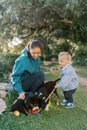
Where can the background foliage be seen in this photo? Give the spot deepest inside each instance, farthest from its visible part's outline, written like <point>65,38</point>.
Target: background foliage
<point>59,25</point>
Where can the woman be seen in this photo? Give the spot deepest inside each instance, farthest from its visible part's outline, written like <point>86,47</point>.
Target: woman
<point>26,75</point>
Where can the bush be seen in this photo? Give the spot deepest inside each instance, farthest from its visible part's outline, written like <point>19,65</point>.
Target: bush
<point>6,64</point>
<point>8,61</point>
<point>80,57</point>
<point>79,30</point>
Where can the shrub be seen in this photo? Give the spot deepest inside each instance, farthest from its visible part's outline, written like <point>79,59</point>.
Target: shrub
<point>6,64</point>
<point>80,57</point>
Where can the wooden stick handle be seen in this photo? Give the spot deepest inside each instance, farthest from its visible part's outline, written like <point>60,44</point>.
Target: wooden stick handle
<point>50,95</point>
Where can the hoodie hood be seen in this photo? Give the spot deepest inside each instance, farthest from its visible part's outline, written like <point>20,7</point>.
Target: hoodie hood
<point>24,51</point>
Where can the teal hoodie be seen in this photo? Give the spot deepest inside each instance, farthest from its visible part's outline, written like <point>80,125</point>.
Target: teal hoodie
<point>24,67</point>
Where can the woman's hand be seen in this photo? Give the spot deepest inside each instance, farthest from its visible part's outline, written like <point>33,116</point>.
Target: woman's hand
<point>22,95</point>
<point>45,81</point>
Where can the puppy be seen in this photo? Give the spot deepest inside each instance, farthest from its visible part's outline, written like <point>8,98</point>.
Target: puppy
<point>20,106</point>
<point>25,106</point>
<point>44,92</point>
<point>38,99</point>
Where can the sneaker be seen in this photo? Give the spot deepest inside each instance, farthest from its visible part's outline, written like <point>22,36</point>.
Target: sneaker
<point>64,102</point>
<point>70,105</point>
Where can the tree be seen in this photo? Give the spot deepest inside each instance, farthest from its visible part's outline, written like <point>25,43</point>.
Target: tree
<point>43,19</point>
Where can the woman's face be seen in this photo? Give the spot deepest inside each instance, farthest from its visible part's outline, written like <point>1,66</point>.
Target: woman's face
<point>35,53</point>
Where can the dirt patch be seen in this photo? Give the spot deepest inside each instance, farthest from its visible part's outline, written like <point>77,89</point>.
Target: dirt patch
<point>82,81</point>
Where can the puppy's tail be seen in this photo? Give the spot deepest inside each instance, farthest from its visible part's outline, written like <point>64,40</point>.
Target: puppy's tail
<point>57,80</point>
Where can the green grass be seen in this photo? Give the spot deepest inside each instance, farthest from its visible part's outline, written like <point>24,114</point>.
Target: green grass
<point>58,117</point>
<point>82,71</point>
<point>44,69</point>
<point>52,76</point>
<point>53,64</point>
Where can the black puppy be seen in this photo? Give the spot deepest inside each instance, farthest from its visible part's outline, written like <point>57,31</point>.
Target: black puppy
<point>35,100</point>
<point>25,106</point>
<point>20,106</point>
<point>42,95</point>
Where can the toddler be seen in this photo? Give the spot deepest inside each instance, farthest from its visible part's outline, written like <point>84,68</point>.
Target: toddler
<point>69,79</point>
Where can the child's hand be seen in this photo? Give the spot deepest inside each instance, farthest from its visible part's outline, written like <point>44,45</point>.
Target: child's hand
<point>55,87</point>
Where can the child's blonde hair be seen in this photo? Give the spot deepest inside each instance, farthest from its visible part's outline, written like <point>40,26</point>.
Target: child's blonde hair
<point>65,55</point>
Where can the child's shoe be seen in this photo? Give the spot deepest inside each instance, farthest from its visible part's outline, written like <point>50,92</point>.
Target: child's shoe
<point>70,105</point>
<point>64,102</point>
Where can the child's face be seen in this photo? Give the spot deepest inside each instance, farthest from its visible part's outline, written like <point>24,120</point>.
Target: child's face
<point>63,61</point>
<point>35,53</point>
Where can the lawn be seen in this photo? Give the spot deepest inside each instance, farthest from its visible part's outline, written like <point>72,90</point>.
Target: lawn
<point>58,117</point>
<point>82,71</point>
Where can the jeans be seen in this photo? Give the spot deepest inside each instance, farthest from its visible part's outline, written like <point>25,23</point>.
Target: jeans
<point>33,82</point>
<point>68,95</point>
